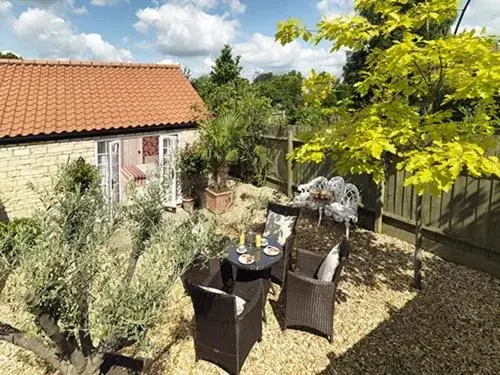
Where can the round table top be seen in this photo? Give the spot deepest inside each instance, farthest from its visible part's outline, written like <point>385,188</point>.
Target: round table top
<point>262,261</point>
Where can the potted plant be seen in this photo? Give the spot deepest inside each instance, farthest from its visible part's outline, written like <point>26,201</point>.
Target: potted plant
<point>192,168</point>
<point>218,143</point>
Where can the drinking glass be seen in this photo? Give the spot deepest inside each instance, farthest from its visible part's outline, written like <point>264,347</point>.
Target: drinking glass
<point>250,239</point>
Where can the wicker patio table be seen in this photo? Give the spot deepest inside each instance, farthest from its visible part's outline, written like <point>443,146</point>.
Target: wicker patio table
<point>257,272</point>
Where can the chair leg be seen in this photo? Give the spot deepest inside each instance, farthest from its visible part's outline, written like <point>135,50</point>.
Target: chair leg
<point>320,216</point>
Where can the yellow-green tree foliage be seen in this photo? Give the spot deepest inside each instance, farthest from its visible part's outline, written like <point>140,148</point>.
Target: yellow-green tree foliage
<point>435,102</point>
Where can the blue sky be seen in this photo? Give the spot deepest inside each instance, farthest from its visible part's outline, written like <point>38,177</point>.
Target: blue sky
<point>189,32</point>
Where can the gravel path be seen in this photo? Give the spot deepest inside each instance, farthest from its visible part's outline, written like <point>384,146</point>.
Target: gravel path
<point>381,327</point>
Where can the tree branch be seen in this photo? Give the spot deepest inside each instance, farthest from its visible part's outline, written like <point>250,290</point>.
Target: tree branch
<point>51,329</point>
<point>440,83</point>
<point>33,344</point>
<point>421,73</point>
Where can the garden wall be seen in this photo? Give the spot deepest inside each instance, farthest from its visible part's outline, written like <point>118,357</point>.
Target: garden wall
<point>37,163</point>
<point>461,226</point>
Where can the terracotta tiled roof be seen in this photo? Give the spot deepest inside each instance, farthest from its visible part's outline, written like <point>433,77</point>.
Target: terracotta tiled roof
<point>48,97</point>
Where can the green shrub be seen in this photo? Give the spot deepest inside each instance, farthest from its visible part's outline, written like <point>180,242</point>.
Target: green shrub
<point>192,168</point>
<point>16,235</point>
<point>78,176</point>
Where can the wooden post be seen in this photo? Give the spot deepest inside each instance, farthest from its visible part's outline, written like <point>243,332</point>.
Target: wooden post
<point>289,163</point>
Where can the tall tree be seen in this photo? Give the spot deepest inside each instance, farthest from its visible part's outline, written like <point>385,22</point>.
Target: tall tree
<point>227,68</point>
<point>224,90</point>
<point>356,59</point>
<point>284,91</point>
<point>9,55</point>
<point>415,118</point>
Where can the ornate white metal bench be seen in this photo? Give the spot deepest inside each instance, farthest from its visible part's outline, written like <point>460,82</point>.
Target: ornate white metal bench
<point>303,198</point>
<point>346,210</point>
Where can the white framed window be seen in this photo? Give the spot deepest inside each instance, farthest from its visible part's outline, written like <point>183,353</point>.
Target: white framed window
<point>169,148</point>
<point>108,162</point>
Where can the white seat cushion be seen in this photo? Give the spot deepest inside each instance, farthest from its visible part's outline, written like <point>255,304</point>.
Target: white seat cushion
<point>279,227</point>
<point>240,302</point>
<point>329,265</point>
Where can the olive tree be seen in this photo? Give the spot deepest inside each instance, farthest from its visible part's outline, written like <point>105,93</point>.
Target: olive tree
<point>80,296</point>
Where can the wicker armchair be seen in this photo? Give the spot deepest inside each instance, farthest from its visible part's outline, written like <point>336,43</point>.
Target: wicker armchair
<point>310,302</point>
<point>202,271</point>
<point>278,272</point>
<point>204,274</point>
<point>223,337</point>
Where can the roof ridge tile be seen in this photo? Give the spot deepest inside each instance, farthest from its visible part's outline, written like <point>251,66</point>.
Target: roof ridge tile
<point>88,63</point>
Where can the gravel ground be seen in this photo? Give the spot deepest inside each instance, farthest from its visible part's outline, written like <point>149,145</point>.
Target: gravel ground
<point>452,326</point>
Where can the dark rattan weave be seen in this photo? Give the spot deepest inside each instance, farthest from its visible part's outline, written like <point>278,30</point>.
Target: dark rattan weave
<point>222,337</point>
<point>310,302</point>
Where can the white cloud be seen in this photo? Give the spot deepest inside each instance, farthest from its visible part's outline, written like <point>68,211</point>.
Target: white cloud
<point>197,66</point>
<point>186,30</point>
<point>202,4</point>
<point>330,8</point>
<point>236,6</point>
<point>103,3</point>
<point>81,10</point>
<point>53,37</point>
<point>262,53</point>
<point>144,44</point>
<point>5,7</point>
<point>479,14</point>
<point>61,6</point>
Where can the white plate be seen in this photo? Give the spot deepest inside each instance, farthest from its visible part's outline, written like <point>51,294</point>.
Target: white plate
<point>271,251</point>
<point>246,259</point>
<point>241,249</point>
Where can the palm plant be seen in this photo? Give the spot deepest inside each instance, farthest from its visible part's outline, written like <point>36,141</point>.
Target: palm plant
<point>218,140</point>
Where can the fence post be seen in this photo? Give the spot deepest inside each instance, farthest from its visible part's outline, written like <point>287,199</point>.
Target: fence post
<point>289,162</point>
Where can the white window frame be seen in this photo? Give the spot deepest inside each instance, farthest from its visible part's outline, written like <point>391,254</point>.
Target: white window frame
<point>107,184</point>
<point>177,199</point>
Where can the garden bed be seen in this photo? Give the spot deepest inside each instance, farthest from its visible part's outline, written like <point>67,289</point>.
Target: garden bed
<point>450,327</point>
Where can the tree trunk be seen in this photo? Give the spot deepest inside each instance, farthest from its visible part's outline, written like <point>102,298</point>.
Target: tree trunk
<point>289,163</point>
<point>33,344</point>
<point>379,207</point>
<point>417,256</point>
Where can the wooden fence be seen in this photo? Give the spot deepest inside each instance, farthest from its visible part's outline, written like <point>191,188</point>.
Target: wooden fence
<point>462,225</point>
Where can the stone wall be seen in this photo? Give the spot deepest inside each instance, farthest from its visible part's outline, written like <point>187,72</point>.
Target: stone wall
<point>37,164</point>
<point>34,163</point>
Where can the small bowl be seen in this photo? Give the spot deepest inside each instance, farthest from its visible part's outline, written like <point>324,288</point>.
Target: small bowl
<point>241,249</point>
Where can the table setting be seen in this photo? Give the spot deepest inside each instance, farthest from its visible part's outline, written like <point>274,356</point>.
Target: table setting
<point>254,252</point>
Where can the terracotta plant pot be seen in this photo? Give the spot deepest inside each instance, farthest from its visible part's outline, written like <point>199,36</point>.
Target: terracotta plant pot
<point>188,204</point>
<point>217,202</point>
